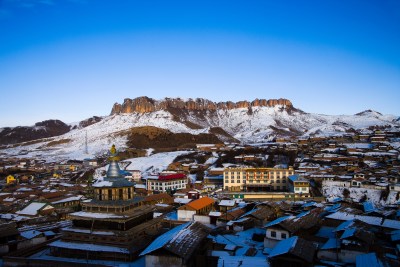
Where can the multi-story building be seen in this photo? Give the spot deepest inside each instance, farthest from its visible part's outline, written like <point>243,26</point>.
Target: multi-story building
<point>256,179</point>
<point>167,181</point>
<point>299,185</point>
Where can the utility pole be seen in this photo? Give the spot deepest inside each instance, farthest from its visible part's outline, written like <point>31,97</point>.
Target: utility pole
<point>86,144</point>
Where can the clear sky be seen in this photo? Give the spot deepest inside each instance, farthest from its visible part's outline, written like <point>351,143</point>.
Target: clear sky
<point>72,59</point>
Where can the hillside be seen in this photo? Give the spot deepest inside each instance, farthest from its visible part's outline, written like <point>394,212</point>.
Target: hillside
<point>191,121</point>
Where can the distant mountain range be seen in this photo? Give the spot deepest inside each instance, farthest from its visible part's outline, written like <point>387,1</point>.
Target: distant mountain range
<point>256,121</point>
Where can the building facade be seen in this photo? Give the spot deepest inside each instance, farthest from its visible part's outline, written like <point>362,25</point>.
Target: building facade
<point>256,179</point>
<point>167,182</point>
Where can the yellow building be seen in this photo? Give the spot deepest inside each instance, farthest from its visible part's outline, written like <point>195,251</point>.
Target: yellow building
<point>10,179</point>
<point>256,179</point>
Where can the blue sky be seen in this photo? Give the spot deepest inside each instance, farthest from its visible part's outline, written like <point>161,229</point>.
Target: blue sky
<point>72,59</point>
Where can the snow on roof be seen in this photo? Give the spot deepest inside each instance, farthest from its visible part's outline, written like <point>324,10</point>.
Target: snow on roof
<point>227,203</point>
<point>96,215</point>
<point>279,220</point>
<point>32,209</point>
<point>74,198</point>
<point>215,213</point>
<point>88,247</point>
<point>242,261</point>
<point>87,231</point>
<point>181,200</point>
<point>283,246</point>
<point>370,260</point>
<point>343,216</point>
<point>164,239</point>
<point>30,234</point>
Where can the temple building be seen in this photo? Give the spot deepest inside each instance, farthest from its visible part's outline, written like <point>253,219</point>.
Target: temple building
<point>114,225</point>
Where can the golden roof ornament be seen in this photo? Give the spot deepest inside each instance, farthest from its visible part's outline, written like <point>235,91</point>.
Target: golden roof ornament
<point>113,152</point>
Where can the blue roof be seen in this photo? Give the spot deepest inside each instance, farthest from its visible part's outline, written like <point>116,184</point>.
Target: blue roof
<point>279,220</point>
<point>369,260</point>
<point>395,237</point>
<point>332,243</point>
<point>164,239</point>
<point>326,232</point>
<point>348,233</point>
<point>333,208</point>
<point>308,204</point>
<point>283,246</point>
<point>338,199</point>
<point>294,177</point>
<point>368,207</point>
<point>344,225</point>
<point>302,214</point>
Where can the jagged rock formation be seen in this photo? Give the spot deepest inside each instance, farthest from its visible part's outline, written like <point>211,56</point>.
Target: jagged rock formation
<point>90,121</point>
<point>44,129</point>
<point>145,104</point>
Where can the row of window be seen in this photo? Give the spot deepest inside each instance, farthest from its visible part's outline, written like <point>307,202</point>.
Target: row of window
<point>274,234</point>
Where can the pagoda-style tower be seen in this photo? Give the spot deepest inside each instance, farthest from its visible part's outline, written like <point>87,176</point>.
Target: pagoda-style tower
<point>111,226</point>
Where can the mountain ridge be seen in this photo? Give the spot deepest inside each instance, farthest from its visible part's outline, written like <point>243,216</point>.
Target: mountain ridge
<point>246,123</point>
<point>145,104</point>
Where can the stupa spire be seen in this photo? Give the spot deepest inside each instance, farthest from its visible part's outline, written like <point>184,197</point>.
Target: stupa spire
<point>113,169</point>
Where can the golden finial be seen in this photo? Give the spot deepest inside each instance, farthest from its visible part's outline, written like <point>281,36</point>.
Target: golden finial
<point>113,150</point>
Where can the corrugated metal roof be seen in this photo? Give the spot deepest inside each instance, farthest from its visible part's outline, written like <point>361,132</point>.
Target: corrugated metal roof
<point>279,220</point>
<point>284,246</point>
<point>163,239</point>
<point>181,241</point>
<point>370,260</point>
<point>200,203</point>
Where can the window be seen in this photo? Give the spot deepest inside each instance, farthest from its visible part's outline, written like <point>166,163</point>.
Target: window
<point>120,193</point>
<point>109,194</point>
<point>100,195</point>
<point>283,236</point>
<point>273,234</point>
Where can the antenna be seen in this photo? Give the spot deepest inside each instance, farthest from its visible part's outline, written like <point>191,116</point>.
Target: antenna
<point>86,145</point>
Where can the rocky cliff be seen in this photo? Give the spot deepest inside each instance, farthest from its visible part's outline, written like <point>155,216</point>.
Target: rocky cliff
<point>145,104</point>
<point>44,129</point>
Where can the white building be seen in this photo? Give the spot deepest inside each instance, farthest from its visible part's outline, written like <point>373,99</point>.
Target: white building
<point>165,182</point>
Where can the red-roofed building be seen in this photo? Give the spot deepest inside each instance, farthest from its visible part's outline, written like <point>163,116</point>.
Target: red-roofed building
<point>167,182</point>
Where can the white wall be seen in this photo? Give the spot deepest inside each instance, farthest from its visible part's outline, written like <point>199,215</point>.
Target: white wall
<point>186,215</point>
<point>202,219</point>
<point>336,183</point>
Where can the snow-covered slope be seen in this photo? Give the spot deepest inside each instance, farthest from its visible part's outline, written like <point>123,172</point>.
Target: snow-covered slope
<point>253,124</point>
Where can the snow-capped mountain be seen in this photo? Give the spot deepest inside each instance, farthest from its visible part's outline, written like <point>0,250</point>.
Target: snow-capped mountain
<point>256,121</point>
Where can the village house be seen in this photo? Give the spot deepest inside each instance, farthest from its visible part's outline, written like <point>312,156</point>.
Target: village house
<point>201,206</point>
<point>180,247</point>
